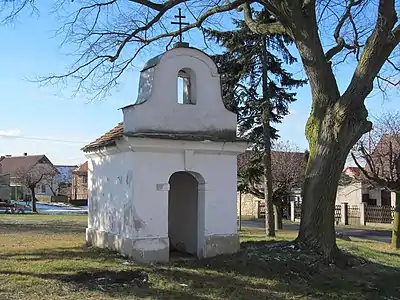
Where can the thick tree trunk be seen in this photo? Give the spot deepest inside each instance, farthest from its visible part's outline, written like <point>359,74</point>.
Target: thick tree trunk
<point>396,223</point>
<point>331,137</point>
<point>33,200</point>
<point>317,228</point>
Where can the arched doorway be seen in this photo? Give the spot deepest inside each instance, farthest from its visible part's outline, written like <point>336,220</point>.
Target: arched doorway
<point>183,213</point>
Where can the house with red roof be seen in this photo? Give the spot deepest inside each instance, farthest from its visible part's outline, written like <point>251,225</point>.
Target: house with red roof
<point>358,189</point>
<point>11,168</point>
<point>79,189</point>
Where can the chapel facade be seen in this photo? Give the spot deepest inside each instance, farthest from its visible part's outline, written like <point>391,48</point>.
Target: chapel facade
<point>165,178</point>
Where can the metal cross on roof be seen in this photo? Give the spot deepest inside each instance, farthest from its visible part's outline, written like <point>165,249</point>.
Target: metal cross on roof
<point>180,17</point>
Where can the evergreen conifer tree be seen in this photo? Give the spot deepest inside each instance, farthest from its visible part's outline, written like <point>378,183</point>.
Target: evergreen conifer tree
<point>256,86</point>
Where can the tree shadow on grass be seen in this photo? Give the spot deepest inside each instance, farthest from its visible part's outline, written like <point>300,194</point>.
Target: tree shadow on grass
<point>182,284</point>
<point>61,253</point>
<point>42,228</point>
<point>261,270</point>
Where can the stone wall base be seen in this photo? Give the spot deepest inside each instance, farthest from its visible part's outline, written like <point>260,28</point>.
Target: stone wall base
<point>221,244</point>
<point>140,250</point>
<point>150,250</point>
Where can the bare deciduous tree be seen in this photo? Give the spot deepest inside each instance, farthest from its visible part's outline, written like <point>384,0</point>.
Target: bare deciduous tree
<point>32,177</point>
<point>110,35</point>
<point>288,167</point>
<point>57,182</point>
<point>380,150</point>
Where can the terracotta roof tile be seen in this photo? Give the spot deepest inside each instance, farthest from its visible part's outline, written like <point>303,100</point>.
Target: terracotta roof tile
<point>107,139</point>
<point>83,168</point>
<point>355,171</point>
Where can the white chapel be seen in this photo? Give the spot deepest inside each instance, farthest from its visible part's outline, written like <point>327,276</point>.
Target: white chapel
<point>165,178</point>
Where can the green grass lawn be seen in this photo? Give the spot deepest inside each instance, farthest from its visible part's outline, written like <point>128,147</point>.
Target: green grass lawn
<point>43,257</point>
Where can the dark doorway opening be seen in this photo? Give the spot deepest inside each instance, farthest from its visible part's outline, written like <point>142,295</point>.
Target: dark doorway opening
<point>183,215</point>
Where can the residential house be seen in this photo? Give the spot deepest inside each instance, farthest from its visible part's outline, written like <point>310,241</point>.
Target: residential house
<point>359,189</point>
<point>287,166</point>
<point>79,182</point>
<point>13,166</point>
<point>4,184</point>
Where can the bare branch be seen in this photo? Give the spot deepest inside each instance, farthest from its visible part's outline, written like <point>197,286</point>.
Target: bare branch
<point>382,153</point>
<point>341,43</point>
<point>17,6</point>
<point>109,33</point>
<point>261,27</point>
<point>168,5</point>
<point>390,82</point>
<point>288,169</point>
<point>377,50</point>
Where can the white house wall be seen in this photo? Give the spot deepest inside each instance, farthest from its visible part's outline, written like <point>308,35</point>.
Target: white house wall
<point>376,194</point>
<point>351,194</point>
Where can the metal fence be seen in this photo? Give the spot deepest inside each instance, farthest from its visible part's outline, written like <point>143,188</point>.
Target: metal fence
<point>297,210</point>
<point>358,214</point>
<point>338,214</point>
<point>379,214</point>
<point>261,209</point>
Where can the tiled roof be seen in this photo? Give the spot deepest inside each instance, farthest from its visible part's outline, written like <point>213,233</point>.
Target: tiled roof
<point>107,139</point>
<point>117,132</point>
<point>353,171</point>
<point>83,168</point>
<point>11,165</point>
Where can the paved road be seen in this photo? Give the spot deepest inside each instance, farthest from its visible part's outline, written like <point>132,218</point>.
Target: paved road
<point>368,234</point>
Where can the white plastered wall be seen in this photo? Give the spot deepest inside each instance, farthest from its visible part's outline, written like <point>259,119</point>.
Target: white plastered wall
<point>128,195</point>
<point>161,112</point>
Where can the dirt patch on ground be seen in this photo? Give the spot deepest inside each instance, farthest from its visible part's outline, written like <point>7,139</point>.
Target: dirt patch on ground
<point>105,280</point>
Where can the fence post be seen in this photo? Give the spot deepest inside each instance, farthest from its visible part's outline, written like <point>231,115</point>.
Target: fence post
<point>363,212</point>
<point>292,216</point>
<point>240,210</point>
<point>345,213</point>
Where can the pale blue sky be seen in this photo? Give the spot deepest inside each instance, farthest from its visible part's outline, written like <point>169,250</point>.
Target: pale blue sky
<point>31,111</point>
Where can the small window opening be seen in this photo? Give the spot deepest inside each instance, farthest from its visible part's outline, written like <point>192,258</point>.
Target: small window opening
<point>186,89</point>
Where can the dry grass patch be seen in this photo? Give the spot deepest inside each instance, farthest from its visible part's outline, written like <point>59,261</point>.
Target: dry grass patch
<point>44,257</point>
